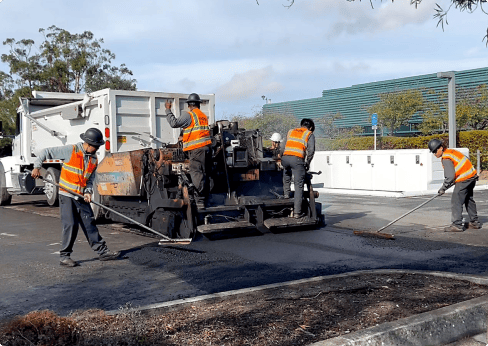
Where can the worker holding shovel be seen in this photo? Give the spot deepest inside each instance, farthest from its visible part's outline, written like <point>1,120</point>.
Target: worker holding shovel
<point>458,171</point>
<point>77,175</point>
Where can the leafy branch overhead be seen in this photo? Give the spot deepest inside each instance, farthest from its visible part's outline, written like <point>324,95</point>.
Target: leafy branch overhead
<point>291,2</point>
<point>440,13</point>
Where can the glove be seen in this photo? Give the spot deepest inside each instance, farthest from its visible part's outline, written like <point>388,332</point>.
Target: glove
<point>441,191</point>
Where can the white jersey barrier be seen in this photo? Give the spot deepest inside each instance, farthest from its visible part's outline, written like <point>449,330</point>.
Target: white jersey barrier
<point>405,171</point>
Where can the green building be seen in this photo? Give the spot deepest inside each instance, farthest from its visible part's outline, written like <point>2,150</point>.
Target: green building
<point>352,102</point>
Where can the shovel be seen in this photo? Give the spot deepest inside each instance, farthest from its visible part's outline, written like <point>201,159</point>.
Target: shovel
<point>165,240</point>
<point>378,233</point>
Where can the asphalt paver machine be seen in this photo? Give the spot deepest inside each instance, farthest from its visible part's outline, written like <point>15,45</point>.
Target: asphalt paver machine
<point>154,187</point>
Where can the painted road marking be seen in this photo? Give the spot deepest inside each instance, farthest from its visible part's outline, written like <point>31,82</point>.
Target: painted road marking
<point>9,235</point>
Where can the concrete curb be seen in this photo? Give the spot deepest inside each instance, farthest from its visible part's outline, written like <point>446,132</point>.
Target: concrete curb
<point>436,327</point>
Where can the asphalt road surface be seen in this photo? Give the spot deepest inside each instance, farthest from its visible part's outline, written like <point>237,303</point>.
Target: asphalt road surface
<point>32,279</point>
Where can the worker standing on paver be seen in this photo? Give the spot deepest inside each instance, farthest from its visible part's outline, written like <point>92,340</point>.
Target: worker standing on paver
<point>196,141</point>
<point>296,155</point>
<point>458,171</point>
<point>77,175</point>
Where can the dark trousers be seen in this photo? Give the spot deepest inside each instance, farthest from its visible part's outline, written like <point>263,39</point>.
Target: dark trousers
<point>198,169</point>
<point>295,166</point>
<point>463,195</point>
<point>75,213</point>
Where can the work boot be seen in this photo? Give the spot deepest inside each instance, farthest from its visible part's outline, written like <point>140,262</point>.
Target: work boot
<point>301,217</point>
<point>474,225</point>
<point>109,256</point>
<point>454,228</point>
<point>68,262</point>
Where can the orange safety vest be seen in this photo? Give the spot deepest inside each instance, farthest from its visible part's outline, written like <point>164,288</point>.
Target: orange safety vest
<point>296,144</point>
<point>74,174</point>
<point>463,168</point>
<point>197,135</point>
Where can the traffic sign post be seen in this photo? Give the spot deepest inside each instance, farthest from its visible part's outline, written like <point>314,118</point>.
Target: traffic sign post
<point>374,126</point>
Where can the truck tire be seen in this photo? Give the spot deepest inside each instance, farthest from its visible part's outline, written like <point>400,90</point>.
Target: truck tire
<point>5,197</point>
<point>51,191</point>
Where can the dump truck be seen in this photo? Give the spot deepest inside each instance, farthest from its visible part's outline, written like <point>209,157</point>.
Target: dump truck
<point>129,120</point>
<point>143,172</point>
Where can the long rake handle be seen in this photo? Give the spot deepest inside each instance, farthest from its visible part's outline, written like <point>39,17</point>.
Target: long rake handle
<point>408,212</point>
<point>113,211</point>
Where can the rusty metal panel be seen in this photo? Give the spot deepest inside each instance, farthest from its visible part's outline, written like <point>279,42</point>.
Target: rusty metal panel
<point>250,175</point>
<point>119,174</point>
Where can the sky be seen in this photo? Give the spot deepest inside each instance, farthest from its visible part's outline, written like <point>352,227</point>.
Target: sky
<point>240,50</point>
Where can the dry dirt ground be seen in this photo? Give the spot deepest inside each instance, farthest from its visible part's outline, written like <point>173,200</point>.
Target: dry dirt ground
<point>292,315</point>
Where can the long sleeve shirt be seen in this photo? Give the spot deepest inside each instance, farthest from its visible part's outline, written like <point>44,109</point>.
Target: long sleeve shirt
<point>449,173</point>
<point>310,152</point>
<point>64,153</point>
<point>184,120</point>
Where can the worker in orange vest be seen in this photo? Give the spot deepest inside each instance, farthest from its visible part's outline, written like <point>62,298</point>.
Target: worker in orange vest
<point>77,175</point>
<point>196,142</point>
<point>296,155</point>
<point>458,171</point>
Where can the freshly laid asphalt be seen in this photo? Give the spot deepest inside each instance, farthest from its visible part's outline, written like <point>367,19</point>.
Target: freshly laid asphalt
<point>32,279</point>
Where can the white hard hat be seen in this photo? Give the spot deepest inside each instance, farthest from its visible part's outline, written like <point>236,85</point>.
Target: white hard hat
<point>276,137</point>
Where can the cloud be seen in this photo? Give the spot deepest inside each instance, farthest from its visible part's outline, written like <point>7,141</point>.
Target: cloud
<point>187,84</point>
<point>251,83</point>
<point>240,50</point>
<point>206,75</point>
<point>357,17</point>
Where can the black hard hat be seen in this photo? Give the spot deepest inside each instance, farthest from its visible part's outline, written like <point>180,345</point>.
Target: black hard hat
<point>193,98</point>
<point>93,137</point>
<point>434,144</point>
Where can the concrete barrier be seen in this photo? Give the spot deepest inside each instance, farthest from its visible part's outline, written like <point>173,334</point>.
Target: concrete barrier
<point>400,171</point>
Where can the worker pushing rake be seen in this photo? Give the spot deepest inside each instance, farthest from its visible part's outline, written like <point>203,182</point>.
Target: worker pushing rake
<point>76,180</point>
<point>458,172</point>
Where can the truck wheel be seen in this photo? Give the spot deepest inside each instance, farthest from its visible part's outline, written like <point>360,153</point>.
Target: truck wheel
<point>52,191</point>
<point>5,197</point>
<point>98,212</point>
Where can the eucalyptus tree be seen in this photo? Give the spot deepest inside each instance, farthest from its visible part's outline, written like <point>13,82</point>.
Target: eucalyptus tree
<point>65,62</point>
<point>62,62</point>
